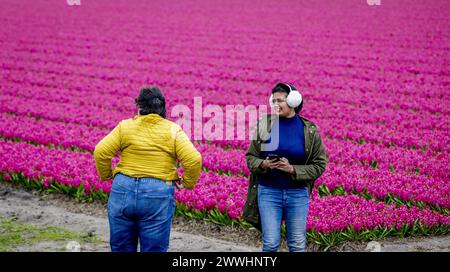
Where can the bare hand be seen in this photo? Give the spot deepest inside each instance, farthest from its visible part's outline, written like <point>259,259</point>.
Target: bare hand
<point>268,164</point>
<point>284,165</point>
<point>179,183</point>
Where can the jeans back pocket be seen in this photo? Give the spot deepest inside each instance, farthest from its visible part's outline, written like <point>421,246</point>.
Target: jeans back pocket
<point>116,203</point>
<point>155,207</point>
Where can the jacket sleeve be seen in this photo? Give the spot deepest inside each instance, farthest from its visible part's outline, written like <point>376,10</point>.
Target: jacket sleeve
<point>105,150</point>
<point>316,166</point>
<point>252,156</point>
<point>253,160</point>
<point>190,158</point>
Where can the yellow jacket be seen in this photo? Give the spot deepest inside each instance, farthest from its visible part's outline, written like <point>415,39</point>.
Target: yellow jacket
<point>150,147</point>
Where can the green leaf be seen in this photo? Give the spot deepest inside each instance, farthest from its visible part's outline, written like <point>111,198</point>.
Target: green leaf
<point>374,164</point>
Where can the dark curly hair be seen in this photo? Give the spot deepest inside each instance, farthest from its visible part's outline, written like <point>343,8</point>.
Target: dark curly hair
<point>151,100</point>
<point>282,87</point>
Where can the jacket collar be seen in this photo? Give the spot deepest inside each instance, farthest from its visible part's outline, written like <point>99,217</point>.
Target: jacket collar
<point>307,123</point>
<point>151,118</point>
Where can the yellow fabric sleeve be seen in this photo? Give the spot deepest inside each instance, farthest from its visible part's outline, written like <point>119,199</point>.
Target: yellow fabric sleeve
<point>105,150</point>
<point>190,158</point>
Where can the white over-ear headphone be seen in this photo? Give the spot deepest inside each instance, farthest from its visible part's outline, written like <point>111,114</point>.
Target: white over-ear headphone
<point>294,98</point>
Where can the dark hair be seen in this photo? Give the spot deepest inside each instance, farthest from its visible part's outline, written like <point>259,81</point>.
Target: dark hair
<point>282,87</point>
<point>151,100</point>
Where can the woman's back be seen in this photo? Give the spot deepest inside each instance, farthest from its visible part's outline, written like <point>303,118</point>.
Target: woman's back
<point>150,146</point>
<point>141,202</point>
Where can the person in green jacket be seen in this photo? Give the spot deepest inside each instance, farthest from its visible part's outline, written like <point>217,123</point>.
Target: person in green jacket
<point>285,156</point>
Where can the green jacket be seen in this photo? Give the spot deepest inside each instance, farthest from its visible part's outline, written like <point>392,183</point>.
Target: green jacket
<point>316,160</point>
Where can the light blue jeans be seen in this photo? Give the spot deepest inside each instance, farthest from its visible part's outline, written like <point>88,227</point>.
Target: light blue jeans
<point>277,204</point>
<point>140,209</point>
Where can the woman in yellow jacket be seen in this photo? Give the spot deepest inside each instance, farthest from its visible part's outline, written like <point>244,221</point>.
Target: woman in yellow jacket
<point>141,203</point>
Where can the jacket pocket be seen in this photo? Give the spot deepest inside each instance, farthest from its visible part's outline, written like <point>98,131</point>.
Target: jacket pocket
<point>251,212</point>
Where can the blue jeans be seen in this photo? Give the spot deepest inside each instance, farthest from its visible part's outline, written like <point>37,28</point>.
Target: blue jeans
<point>140,209</point>
<point>277,204</point>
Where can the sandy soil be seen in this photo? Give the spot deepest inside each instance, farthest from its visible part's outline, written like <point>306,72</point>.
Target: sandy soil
<point>187,235</point>
<point>41,210</point>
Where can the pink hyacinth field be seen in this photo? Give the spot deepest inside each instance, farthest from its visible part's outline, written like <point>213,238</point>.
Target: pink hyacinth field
<point>375,79</point>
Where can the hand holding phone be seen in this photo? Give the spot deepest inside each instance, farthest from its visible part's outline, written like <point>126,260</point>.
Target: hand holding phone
<point>270,162</point>
<point>273,157</point>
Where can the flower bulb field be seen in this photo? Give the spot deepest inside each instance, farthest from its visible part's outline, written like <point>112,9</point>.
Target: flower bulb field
<point>374,78</point>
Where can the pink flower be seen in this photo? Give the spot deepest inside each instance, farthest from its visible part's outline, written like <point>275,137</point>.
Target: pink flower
<point>6,177</point>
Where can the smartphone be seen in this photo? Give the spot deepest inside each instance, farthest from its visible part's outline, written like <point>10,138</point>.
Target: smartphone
<point>273,157</point>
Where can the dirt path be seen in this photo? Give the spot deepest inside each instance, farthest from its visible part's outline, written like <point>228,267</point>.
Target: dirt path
<point>90,218</point>
<point>26,207</point>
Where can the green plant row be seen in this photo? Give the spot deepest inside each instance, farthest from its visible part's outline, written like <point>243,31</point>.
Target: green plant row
<point>389,199</point>
<point>325,241</point>
<point>329,240</point>
<point>78,193</point>
<point>213,215</point>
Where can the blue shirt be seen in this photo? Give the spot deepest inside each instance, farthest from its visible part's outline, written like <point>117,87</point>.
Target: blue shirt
<point>291,146</point>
